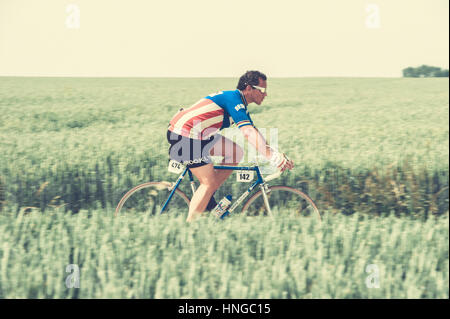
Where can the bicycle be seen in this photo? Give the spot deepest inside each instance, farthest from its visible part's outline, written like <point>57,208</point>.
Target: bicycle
<point>153,196</point>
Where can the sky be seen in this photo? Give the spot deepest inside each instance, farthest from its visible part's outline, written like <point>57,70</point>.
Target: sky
<point>211,38</point>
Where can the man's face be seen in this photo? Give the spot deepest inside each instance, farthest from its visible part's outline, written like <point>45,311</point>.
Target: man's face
<point>257,95</point>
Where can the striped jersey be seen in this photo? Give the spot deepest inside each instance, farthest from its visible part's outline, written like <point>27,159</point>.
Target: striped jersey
<point>211,114</point>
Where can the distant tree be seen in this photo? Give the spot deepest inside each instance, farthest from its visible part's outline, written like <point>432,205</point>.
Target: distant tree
<point>409,73</point>
<point>424,71</point>
<point>442,74</point>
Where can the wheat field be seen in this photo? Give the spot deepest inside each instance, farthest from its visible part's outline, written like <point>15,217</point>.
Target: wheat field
<point>372,153</point>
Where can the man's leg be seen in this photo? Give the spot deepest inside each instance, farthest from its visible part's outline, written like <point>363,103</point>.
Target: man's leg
<point>232,154</point>
<point>208,185</point>
<point>210,179</point>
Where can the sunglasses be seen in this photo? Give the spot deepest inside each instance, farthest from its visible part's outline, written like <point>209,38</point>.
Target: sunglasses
<point>261,89</point>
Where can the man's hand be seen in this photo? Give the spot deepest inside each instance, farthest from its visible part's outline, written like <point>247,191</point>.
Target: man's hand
<point>281,161</point>
<point>254,137</point>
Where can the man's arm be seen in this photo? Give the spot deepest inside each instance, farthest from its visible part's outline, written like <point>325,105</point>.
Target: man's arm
<point>255,138</point>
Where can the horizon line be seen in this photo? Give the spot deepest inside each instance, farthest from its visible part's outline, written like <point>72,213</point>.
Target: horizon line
<point>189,77</point>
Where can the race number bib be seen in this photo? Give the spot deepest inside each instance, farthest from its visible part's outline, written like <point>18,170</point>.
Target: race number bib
<point>175,167</point>
<point>244,176</point>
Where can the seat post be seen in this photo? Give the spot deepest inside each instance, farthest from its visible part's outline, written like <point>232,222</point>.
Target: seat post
<point>192,182</point>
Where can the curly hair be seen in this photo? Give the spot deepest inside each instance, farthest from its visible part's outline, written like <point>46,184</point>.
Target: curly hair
<point>250,78</point>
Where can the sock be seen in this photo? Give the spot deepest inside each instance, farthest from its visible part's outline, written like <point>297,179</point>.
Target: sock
<point>212,203</point>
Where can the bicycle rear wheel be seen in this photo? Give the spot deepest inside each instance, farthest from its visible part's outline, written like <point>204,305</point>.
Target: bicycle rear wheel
<point>149,198</point>
<point>282,200</point>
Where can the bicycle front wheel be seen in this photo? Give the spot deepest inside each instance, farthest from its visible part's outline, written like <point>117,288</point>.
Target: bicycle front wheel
<point>282,200</point>
<point>150,197</point>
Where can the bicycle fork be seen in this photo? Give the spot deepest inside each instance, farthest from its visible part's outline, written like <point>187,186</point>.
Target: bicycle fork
<point>265,190</point>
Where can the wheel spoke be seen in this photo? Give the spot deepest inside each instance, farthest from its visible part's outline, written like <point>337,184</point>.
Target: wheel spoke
<point>282,200</point>
<point>149,198</point>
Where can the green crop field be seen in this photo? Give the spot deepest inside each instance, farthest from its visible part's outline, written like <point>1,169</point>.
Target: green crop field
<point>370,145</point>
<point>244,257</point>
<point>372,153</point>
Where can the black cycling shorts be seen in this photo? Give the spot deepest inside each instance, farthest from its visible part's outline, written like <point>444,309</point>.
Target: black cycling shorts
<point>190,152</point>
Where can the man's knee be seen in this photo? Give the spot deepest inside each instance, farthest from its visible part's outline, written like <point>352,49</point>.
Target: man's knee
<point>210,182</point>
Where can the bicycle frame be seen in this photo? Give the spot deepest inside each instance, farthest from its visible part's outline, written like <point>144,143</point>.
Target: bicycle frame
<point>259,181</point>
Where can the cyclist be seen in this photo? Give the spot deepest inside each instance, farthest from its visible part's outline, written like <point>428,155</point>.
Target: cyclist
<point>193,137</point>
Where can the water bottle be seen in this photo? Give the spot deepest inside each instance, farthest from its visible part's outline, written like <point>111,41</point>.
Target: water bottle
<point>222,207</point>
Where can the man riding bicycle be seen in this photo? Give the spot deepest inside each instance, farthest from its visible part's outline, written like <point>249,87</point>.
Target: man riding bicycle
<point>193,137</point>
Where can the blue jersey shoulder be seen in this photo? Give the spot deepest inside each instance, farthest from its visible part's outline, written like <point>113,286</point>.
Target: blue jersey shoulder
<point>232,103</point>
<point>225,98</point>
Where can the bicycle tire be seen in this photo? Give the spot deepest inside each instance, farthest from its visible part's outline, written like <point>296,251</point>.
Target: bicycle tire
<point>149,198</point>
<point>282,199</point>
